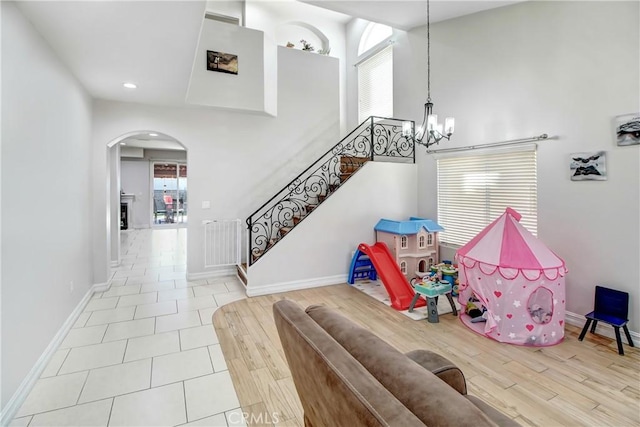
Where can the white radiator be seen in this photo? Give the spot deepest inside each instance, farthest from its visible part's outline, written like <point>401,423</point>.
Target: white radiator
<point>222,244</point>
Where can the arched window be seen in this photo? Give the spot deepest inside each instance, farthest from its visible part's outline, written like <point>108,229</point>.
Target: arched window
<point>403,242</point>
<point>430,262</point>
<point>430,239</point>
<point>375,73</point>
<point>421,241</point>
<point>372,35</point>
<point>403,267</point>
<point>422,266</point>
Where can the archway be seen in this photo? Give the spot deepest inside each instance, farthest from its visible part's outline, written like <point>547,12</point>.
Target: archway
<point>144,147</point>
<point>292,31</point>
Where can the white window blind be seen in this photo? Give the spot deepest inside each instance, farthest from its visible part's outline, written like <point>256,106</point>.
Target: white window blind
<point>375,85</point>
<point>474,190</point>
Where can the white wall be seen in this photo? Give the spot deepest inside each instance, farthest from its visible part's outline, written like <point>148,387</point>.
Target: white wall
<point>236,161</point>
<point>46,236</point>
<point>276,18</point>
<point>135,179</point>
<point>564,68</point>
<point>318,251</point>
<point>244,91</point>
<point>231,8</point>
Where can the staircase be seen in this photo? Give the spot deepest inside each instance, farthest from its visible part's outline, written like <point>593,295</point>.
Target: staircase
<point>375,139</point>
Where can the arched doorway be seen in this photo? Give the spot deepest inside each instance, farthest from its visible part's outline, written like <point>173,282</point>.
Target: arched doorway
<point>132,201</point>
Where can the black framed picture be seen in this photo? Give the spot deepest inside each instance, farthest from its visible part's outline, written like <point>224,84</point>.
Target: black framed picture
<point>222,62</point>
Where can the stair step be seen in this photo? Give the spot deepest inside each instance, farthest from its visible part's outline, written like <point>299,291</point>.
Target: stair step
<point>310,208</point>
<point>256,255</point>
<point>352,164</point>
<point>242,273</point>
<point>322,198</point>
<point>345,176</point>
<point>297,219</point>
<point>285,230</point>
<point>354,159</point>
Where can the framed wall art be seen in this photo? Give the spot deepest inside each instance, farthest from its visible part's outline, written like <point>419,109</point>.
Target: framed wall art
<point>628,129</point>
<point>588,166</point>
<point>222,62</point>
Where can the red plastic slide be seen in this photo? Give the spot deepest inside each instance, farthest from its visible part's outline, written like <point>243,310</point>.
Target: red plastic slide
<point>400,291</point>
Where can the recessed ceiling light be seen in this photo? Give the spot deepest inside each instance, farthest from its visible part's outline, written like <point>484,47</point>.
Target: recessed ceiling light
<point>123,143</point>
<point>153,134</point>
<point>130,85</point>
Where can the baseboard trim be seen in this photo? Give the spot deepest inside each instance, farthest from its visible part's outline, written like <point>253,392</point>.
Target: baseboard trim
<point>101,287</point>
<point>221,272</point>
<point>295,285</point>
<point>604,330</point>
<point>13,405</point>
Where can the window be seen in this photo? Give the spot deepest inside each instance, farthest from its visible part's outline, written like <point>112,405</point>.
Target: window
<point>422,266</point>
<point>403,267</point>
<point>375,85</point>
<point>403,242</point>
<point>430,239</point>
<point>430,262</point>
<point>373,35</point>
<point>421,241</point>
<point>473,190</point>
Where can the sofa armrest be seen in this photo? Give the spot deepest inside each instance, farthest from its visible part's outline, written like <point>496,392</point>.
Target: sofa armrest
<point>440,366</point>
<point>493,414</point>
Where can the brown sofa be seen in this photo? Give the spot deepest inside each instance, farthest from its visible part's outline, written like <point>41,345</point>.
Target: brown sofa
<point>347,376</point>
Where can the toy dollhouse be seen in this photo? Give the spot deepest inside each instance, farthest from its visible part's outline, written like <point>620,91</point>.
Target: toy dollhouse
<point>413,243</point>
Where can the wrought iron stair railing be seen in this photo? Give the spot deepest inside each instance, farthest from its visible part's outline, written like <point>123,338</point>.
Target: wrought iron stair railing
<point>376,138</point>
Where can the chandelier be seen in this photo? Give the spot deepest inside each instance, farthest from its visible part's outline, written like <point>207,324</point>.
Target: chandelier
<point>431,132</point>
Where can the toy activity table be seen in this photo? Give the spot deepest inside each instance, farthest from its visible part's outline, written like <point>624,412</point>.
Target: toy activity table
<point>430,291</point>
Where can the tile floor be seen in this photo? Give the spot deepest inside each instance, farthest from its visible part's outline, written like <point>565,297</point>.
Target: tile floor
<point>143,353</point>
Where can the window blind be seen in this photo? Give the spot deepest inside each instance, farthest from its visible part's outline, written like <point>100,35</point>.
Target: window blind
<point>473,190</point>
<point>375,85</point>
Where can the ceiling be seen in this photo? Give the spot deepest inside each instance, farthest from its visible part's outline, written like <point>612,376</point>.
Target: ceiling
<point>155,142</point>
<point>152,43</point>
<point>107,43</point>
<point>406,15</point>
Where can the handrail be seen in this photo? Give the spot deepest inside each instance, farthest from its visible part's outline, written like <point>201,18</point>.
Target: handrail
<point>308,189</point>
<point>303,172</point>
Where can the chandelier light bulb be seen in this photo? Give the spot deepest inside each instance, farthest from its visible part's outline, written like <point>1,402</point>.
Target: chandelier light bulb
<point>449,125</point>
<point>406,128</point>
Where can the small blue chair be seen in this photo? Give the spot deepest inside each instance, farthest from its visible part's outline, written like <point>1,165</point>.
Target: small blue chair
<point>611,307</point>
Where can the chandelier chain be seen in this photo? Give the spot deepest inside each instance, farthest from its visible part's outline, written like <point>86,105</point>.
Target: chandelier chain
<point>428,56</point>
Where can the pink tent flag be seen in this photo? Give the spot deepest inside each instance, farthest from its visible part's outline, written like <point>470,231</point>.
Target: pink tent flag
<point>517,280</point>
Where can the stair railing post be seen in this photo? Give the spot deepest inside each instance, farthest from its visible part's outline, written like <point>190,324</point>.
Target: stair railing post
<point>371,138</point>
<point>413,139</point>
<point>249,257</point>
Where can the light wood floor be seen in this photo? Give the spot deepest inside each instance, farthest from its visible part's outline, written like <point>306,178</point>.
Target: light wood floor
<point>571,384</point>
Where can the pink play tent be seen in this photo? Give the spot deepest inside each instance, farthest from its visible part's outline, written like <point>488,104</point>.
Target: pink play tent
<point>518,280</point>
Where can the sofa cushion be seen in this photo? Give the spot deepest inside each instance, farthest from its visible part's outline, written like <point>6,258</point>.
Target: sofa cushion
<point>424,394</point>
<point>331,384</point>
